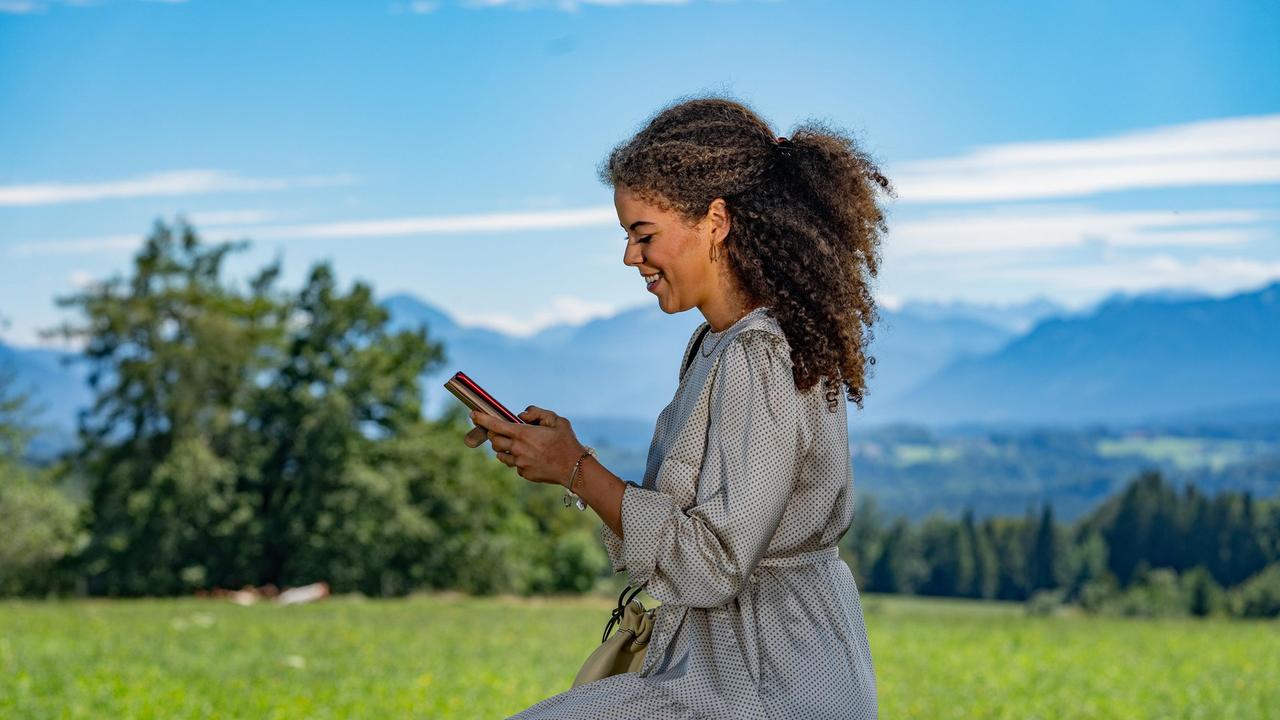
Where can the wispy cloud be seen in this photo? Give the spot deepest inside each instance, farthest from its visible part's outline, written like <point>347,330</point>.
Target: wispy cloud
<point>1231,151</point>
<point>416,7</point>
<point>358,229</point>
<point>20,7</point>
<point>428,6</point>
<point>26,7</point>
<point>562,309</point>
<point>1208,273</point>
<point>440,224</point>
<point>77,246</point>
<point>210,218</point>
<point>181,182</point>
<point>565,5</point>
<point>81,279</point>
<point>1055,227</point>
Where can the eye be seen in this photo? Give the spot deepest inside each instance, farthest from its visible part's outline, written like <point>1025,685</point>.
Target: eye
<point>643,239</point>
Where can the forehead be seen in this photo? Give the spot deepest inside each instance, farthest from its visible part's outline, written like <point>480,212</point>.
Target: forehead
<point>632,208</point>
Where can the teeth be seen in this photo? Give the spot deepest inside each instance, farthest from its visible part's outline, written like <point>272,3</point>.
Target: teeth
<point>648,279</point>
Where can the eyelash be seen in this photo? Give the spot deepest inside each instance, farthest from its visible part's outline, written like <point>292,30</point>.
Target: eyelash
<point>643,239</point>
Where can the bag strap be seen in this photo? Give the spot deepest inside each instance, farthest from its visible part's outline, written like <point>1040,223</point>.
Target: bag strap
<point>697,346</point>
<point>617,612</point>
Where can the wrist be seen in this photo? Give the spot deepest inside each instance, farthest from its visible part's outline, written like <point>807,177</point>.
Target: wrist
<point>573,479</point>
<point>566,478</point>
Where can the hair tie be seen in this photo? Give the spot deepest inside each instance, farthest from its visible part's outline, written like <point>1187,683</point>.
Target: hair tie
<point>784,146</point>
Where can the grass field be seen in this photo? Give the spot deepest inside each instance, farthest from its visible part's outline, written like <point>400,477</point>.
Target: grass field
<point>448,656</point>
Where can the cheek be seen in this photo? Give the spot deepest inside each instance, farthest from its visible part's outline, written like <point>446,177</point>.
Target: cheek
<point>684,261</point>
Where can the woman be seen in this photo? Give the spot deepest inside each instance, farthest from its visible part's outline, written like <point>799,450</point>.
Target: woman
<point>749,483</point>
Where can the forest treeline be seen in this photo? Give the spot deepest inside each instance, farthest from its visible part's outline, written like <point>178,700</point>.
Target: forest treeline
<point>1153,549</point>
<point>242,434</point>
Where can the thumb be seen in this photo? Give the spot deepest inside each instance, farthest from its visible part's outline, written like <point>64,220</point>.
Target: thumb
<point>476,437</point>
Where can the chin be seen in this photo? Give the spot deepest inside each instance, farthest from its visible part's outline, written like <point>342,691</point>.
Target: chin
<point>671,310</point>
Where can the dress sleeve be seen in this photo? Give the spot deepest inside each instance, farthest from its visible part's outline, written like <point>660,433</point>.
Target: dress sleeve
<point>613,544</point>
<point>701,557</point>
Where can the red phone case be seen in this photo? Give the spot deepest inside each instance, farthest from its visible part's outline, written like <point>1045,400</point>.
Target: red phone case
<point>471,384</point>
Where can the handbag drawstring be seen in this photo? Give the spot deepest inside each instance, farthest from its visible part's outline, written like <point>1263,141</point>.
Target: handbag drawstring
<point>618,611</point>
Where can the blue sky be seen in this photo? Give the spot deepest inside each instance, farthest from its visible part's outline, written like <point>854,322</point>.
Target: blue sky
<point>1061,150</point>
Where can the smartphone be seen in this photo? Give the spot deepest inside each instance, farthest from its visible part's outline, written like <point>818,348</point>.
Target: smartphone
<point>475,397</point>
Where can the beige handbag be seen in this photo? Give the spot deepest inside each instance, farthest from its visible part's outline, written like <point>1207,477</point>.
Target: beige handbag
<point>624,652</point>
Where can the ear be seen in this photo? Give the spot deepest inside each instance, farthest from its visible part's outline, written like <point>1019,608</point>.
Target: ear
<point>718,219</point>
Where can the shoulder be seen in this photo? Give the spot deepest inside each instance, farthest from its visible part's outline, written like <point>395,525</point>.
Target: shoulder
<point>761,338</point>
<point>758,355</point>
<point>754,389</point>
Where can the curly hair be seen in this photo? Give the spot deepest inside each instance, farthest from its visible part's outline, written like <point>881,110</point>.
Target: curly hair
<point>805,227</point>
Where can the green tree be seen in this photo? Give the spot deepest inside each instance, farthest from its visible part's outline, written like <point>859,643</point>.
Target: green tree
<point>1043,559</point>
<point>173,355</point>
<point>986,571</point>
<point>949,558</point>
<point>39,525</point>
<point>328,502</point>
<point>1204,596</point>
<point>1086,560</point>
<point>1009,541</point>
<point>865,538</point>
<point>251,435</point>
<point>1260,595</point>
<point>900,567</point>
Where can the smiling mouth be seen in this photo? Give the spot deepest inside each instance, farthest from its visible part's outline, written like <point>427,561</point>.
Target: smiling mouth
<point>651,281</point>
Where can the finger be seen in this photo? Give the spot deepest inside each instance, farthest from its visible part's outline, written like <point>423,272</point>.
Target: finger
<point>476,437</point>
<point>496,424</point>
<point>500,443</point>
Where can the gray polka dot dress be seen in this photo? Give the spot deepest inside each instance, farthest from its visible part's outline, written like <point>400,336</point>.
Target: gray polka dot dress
<point>748,487</point>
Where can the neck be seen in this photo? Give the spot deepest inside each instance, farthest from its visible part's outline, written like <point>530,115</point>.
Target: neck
<point>721,318</point>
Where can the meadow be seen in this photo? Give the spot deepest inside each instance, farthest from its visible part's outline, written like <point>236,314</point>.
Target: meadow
<point>454,656</point>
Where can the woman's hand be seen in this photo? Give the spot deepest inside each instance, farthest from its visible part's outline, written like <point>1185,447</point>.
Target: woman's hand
<point>542,453</point>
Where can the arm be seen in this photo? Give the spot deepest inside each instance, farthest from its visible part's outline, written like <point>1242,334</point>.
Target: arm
<point>602,491</point>
<point>702,557</point>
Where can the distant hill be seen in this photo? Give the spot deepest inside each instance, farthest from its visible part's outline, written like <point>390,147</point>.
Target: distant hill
<point>1015,318</point>
<point>624,366</point>
<point>910,347</point>
<point>1132,358</point>
<point>57,391</point>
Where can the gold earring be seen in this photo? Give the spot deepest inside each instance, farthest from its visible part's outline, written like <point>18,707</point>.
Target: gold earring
<point>715,252</point>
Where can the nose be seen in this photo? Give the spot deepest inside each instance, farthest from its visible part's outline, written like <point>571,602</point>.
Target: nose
<point>631,255</point>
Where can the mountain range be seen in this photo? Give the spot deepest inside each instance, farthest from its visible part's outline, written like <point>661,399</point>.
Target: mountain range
<point>1131,359</point>
<point>1126,359</point>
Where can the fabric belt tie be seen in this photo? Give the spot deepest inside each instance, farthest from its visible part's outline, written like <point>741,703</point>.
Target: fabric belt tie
<point>806,558</point>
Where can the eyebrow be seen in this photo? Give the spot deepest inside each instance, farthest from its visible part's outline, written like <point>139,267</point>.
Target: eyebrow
<point>639,222</point>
